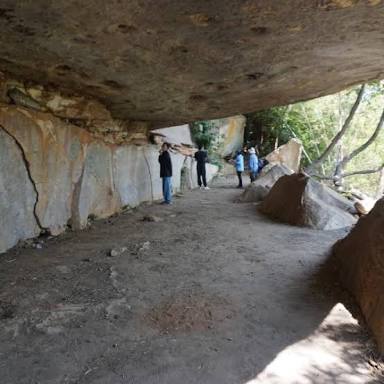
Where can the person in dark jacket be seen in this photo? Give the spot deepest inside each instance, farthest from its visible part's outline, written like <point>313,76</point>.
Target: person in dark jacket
<point>201,158</point>
<point>166,173</point>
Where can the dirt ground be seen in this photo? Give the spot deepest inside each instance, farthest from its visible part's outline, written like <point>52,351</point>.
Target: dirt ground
<point>211,293</point>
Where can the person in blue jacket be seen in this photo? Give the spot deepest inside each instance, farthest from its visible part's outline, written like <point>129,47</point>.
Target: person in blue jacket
<point>239,165</point>
<point>253,164</point>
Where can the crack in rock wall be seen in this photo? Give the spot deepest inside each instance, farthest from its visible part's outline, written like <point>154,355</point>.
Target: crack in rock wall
<point>54,174</point>
<point>17,196</point>
<point>27,168</point>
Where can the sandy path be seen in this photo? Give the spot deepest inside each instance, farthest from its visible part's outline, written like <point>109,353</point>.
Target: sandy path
<point>218,295</point>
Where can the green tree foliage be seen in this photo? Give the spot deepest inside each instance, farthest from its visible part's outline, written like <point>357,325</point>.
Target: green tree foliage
<point>205,133</point>
<point>316,122</point>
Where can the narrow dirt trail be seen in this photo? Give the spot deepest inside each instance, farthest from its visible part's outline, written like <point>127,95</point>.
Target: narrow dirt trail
<point>212,293</point>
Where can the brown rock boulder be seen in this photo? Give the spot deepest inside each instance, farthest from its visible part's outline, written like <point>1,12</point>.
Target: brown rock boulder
<point>299,200</point>
<point>258,190</point>
<point>361,258</point>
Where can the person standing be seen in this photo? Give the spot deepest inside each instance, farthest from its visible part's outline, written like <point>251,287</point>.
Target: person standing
<point>253,164</point>
<point>166,173</point>
<point>201,158</point>
<point>239,165</point>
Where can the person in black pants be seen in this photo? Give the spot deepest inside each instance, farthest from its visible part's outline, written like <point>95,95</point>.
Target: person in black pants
<point>201,158</point>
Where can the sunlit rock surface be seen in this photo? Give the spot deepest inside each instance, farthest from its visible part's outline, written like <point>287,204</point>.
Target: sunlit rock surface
<point>230,134</point>
<point>288,154</point>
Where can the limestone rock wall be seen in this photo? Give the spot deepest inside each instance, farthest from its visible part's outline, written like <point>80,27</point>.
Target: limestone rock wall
<point>54,174</point>
<point>17,196</point>
<point>230,134</point>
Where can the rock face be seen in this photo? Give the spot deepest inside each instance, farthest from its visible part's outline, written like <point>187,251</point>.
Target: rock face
<point>17,196</point>
<point>288,154</point>
<point>259,189</point>
<point>361,258</point>
<point>54,174</point>
<point>302,201</point>
<point>180,139</point>
<point>230,134</point>
<point>163,61</point>
<point>364,206</point>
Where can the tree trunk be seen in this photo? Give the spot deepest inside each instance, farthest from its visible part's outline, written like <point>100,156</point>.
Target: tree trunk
<point>346,159</point>
<point>310,169</point>
<point>380,188</point>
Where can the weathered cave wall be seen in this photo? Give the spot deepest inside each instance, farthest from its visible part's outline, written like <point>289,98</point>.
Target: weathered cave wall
<point>53,173</point>
<point>168,61</point>
<point>17,196</point>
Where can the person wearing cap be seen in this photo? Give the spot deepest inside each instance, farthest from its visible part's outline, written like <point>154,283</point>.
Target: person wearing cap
<point>253,164</point>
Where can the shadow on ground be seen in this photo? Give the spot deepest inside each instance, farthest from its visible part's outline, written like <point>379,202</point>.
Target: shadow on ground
<point>211,293</point>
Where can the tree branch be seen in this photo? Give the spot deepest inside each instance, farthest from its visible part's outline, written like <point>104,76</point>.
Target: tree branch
<point>363,172</point>
<point>321,177</point>
<point>341,176</point>
<point>341,133</point>
<point>362,147</point>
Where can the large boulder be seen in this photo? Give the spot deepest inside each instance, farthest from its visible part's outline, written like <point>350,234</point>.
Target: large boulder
<point>259,189</point>
<point>288,154</point>
<point>299,200</point>
<point>361,259</point>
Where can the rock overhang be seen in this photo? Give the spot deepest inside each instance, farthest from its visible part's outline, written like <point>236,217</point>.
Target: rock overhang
<point>167,63</point>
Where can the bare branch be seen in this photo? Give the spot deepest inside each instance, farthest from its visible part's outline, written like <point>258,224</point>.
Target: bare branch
<point>342,131</point>
<point>362,147</point>
<point>363,172</point>
<point>341,176</point>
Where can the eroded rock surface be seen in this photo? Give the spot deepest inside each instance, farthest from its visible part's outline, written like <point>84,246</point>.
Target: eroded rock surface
<point>288,154</point>
<point>163,61</point>
<point>17,195</point>
<point>54,174</point>
<point>230,134</point>
<point>259,189</point>
<point>361,258</point>
<point>302,201</point>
